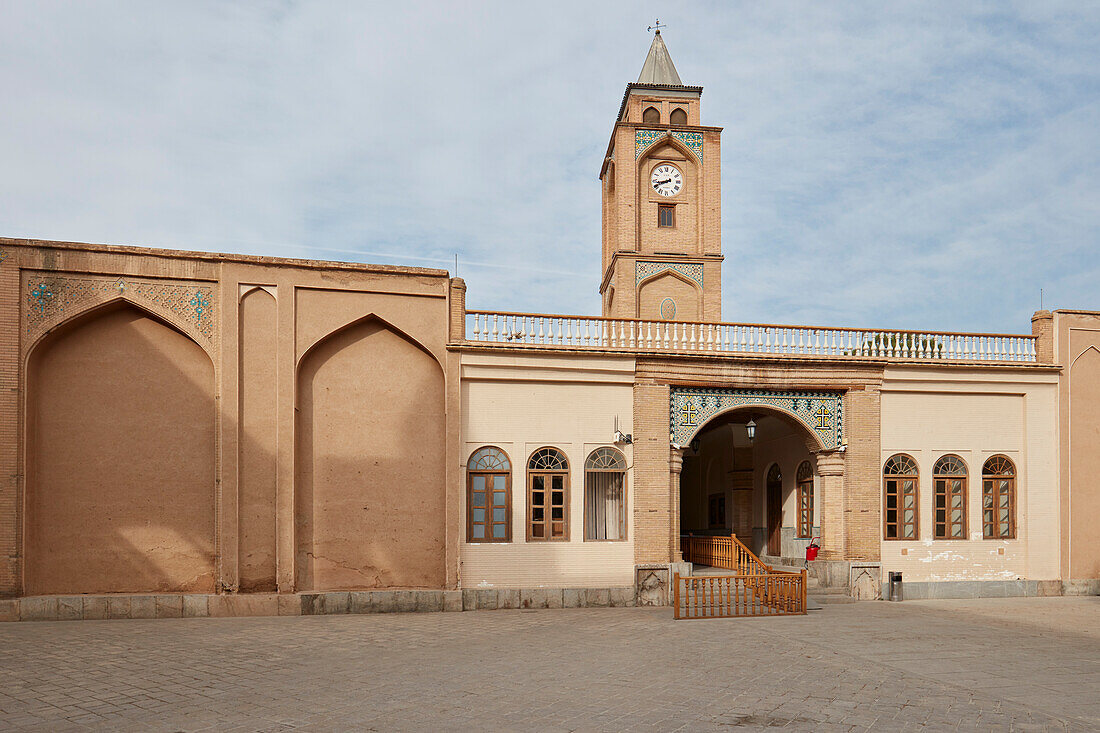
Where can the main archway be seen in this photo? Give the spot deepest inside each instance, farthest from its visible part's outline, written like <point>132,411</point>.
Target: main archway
<point>742,482</point>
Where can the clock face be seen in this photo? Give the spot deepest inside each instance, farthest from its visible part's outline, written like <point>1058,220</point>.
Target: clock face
<point>666,180</point>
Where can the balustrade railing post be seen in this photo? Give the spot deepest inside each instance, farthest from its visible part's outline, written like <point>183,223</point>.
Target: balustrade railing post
<point>803,607</point>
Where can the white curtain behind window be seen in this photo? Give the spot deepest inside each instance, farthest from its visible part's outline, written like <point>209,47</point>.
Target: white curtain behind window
<point>605,512</point>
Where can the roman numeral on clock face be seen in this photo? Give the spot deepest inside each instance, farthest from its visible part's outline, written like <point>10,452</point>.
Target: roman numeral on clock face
<point>667,180</point>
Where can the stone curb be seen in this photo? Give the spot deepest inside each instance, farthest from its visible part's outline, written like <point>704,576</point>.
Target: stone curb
<point>188,605</point>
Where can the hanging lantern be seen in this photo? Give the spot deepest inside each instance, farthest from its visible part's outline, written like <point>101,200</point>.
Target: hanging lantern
<point>750,428</point>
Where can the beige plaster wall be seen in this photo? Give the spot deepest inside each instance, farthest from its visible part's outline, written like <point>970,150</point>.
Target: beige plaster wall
<point>976,414</point>
<point>120,416</point>
<point>522,403</point>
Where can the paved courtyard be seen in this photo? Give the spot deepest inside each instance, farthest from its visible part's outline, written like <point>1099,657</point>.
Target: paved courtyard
<point>1007,664</point>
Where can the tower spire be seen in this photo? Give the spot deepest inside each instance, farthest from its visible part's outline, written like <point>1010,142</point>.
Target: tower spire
<point>658,67</point>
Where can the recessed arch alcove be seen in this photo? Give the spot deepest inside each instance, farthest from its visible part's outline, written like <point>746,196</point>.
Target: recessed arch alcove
<point>731,484</point>
<point>120,457</point>
<point>370,487</point>
<point>669,286</point>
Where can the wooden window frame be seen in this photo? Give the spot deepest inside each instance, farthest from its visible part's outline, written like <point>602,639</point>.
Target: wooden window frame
<point>671,208</point>
<point>942,530</point>
<point>588,469</point>
<point>548,478</point>
<point>716,503</point>
<point>507,475</point>
<point>805,492</point>
<point>896,480</point>
<point>989,486</point>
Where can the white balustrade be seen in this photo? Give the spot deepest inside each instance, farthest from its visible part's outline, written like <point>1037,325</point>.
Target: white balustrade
<point>582,332</point>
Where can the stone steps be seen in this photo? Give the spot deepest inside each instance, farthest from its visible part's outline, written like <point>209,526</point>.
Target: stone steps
<point>830,595</point>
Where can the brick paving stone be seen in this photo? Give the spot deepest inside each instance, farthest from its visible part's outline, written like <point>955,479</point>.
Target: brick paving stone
<point>994,664</point>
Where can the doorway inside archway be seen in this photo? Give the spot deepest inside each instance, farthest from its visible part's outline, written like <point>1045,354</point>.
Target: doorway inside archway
<point>764,490</point>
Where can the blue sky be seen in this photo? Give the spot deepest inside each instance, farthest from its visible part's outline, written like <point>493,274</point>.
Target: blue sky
<point>913,165</point>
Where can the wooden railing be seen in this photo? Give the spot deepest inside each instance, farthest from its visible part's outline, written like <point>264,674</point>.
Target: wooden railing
<point>753,589</point>
<point>731,596</point>
<point>728,553</point>
<point>589,332</point>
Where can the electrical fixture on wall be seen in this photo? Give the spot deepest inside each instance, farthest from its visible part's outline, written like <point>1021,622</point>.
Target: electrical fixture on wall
<point>621,437</point>
<point>750,428</point>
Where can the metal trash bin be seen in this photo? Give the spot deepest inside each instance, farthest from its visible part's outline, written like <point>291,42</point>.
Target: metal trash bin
<point>895,586</point>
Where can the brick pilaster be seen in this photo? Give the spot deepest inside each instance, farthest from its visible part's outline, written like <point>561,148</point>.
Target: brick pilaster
<point>652,518</point>
<point>1042,327</point>
<point>830,467</point>
<point>457,304</point>
<point>11,580</point>
<point>863,475</point>
<point>675,467</point>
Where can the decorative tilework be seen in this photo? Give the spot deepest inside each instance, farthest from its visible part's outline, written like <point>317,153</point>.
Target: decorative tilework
<point>644,138</point>
<point>646,270</point>
<point>52,298</point>
<point>41,297</point>
<point>200,302</point>
<point>668,309</point>
<point>694,141</point>
<point>691,407</point>
<point>3,256</point>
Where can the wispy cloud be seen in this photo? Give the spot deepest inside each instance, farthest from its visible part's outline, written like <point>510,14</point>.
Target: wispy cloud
<point>916,164</point>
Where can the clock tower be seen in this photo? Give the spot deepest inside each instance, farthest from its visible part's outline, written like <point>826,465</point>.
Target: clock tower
<point>662,215</point>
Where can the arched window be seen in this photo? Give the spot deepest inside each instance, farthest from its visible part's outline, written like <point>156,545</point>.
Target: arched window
<point>900,480</point>
<point>679,117</point>
<point>605,495</point>
<point>949,498</point>
<point>651,116</point>
<point>547,496</point>
<point>999,499</point>
<point>805,481</point>
<point>488,496</point>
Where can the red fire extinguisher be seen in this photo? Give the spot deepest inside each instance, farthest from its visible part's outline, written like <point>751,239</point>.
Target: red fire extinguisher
<point>812,548</point>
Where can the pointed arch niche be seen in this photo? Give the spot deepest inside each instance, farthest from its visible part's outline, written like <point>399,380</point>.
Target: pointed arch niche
<point>370,481</point>
<point>669,296</point>
<point>686,236</point>
<point>256,439</point>
<point>120,459</point>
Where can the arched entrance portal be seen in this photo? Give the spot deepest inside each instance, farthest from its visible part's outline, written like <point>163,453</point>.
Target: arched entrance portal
<point>731,484</point>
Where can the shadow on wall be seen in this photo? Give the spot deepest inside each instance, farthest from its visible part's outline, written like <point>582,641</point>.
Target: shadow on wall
<point>371,482</point>
<point>120,458</point>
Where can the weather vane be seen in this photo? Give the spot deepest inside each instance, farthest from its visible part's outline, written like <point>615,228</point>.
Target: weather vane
<point>657,26</point>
